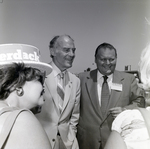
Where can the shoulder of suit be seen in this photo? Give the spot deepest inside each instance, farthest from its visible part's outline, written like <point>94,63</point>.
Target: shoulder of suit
<point>124,74</point>
<point>87,73</point>
<point>83,75</point>
<point>73,75</point>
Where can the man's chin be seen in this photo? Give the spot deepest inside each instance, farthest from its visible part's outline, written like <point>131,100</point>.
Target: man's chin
<point>68,65</point>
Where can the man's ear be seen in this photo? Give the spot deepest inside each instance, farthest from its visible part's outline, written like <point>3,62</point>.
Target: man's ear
<point>19,91</point>
<point>52,51</point>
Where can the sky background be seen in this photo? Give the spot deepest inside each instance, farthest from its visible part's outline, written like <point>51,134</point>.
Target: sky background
<point>121,23</point>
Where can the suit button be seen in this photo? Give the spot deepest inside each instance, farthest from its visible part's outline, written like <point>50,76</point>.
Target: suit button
<point>53,140</point>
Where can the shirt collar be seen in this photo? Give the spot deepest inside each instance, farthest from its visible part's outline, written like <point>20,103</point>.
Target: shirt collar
<point>56,70</point>
<point>99,76</point>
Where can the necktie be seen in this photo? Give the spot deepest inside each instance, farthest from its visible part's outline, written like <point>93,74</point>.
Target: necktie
<point>60,90</point>
<point>104,95</point>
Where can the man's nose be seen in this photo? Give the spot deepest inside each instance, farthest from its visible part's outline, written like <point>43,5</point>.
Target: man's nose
<point>71,53</point>
<point>107,61</point>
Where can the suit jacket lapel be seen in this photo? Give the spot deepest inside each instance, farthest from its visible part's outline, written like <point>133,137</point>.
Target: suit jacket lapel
<point>91,86</point>
<point>115,95</point>
<point>52,88</point>
<point>68,88</point>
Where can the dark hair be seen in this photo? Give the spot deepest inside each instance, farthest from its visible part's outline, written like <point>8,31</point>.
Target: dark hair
<point>15,75</point>
<point>104,46</point>
<point>53,42</point>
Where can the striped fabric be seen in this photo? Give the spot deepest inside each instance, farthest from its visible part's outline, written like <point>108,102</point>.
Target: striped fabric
<point>60,90</point>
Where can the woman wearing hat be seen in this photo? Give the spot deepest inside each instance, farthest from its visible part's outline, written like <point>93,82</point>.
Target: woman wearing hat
<point>21,89</point>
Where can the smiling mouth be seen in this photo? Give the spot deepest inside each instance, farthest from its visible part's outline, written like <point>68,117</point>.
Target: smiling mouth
<point>69,60</point>
<point>108,71</point>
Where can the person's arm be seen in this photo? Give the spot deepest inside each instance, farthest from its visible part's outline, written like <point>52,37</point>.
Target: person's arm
<point>27,133</point>
<point>136,98</point>
<point>115,141</point>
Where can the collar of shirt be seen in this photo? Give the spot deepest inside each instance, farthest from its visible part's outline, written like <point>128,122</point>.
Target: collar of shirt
<point>56,70</point>
<point>100,78</point>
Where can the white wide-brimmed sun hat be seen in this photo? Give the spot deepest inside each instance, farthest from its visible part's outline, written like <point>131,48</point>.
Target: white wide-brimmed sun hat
<point>28,54</point>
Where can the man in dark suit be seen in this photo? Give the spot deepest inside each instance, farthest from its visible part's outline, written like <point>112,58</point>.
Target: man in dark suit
<point>122,93</point>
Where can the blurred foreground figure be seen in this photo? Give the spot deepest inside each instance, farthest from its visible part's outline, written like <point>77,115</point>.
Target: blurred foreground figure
<point>131,128</point>
<point>21,89</point>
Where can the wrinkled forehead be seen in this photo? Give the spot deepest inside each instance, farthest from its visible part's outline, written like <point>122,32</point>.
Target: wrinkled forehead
<point>106,52</point>
<point>65,41</point>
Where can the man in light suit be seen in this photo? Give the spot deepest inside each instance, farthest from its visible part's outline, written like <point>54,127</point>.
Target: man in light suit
<point>60,117</point>
<point>94,126</point>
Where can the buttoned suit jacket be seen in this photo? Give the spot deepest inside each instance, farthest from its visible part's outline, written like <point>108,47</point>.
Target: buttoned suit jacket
<point>94,128</point>
<point>65,122</point>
